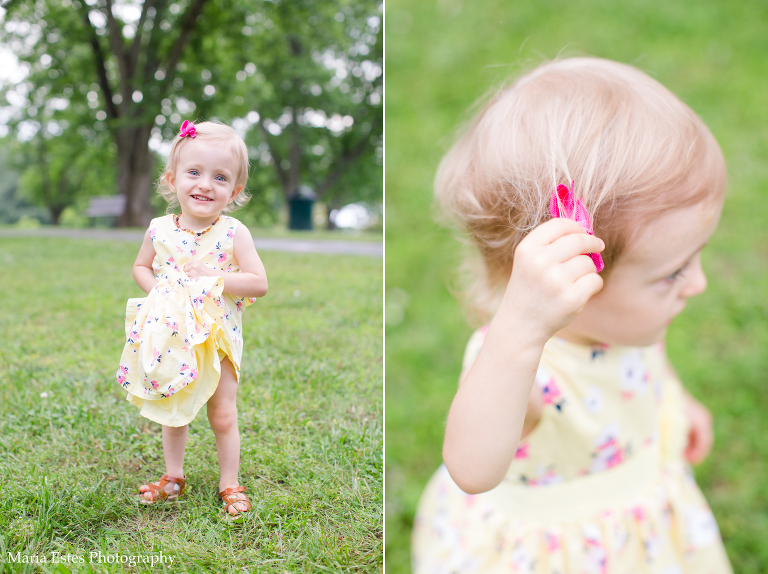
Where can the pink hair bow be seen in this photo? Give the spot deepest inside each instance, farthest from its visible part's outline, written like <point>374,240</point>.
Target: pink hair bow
<point>565,204</point>
<point>187,129</point>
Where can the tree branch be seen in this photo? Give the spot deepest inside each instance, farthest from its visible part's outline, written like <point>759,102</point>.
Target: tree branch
<point>285,180</point>
<point>341,165</point>
<point>45,178</point>
<point>187,28</point>
<point>152,61</point>
<point>118,48</point>
<point>101,70</point>
<point>134,53</point>
<point>294,151</point>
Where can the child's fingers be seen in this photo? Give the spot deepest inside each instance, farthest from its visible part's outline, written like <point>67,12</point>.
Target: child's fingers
<point>574,244</point>
<point>587,286</point>
<point>577,267</point>
<point>697,449</point>
<point>692,453</point>
<point>701,434</point>
<point>552,230</point>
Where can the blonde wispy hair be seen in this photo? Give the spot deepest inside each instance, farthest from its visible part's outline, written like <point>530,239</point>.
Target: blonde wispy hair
<point>633,149</point>
<point>215,132</point>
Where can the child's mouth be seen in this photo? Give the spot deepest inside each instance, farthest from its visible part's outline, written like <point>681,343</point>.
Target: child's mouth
<point>201,198</point>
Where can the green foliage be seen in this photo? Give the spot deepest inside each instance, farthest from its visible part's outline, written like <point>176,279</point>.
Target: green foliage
<point>73,451</point>
<point>441,58</point>
<point>58,173</point>
<point>104,76</point>
<point>312,73</point>
<point>13,207</point>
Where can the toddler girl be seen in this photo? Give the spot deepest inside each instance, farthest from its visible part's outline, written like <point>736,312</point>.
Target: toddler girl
<point>567,446</point>
<point>185,339</point>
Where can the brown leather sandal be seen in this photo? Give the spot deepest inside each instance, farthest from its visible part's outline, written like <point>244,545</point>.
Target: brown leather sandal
<point>158,490</point>
<point>233,495</point>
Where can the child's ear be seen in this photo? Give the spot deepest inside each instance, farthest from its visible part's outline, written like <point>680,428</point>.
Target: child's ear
<point>170,180</point>
<point>235,193</point>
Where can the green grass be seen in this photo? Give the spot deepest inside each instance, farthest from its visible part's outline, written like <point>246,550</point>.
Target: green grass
<point>275,231</point>
<point>310,416</point>
<point>441,58</point>
<point>280,231</point>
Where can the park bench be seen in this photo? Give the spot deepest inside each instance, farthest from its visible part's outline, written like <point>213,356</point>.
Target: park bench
<point>106,206</point>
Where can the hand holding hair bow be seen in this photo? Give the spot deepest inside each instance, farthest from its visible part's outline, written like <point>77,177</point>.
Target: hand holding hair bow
<point>187,129</point>
<point>550,283</point>
<point>565,204</point>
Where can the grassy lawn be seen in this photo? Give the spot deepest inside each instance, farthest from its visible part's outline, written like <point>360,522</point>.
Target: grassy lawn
<point>280,231</point>
<point>73,450</point>
<point>275,232</point>
<point>441,58</point>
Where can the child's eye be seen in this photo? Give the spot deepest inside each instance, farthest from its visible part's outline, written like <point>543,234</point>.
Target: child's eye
<point>193,172</point>
<point>677,274</point>
<point>221,178</point>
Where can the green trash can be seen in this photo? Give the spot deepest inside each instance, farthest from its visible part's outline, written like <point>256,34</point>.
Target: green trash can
<point>300,208</point>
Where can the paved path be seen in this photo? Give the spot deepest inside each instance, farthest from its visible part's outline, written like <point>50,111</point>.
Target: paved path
<point>328,246</point>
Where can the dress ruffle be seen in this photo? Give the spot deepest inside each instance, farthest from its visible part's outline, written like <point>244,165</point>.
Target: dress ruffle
<point>177,336</point>
<point>147,371</point>
<point>663,527</point>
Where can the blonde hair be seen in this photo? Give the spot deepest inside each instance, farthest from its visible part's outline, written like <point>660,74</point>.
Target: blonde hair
<point>208,131</point>
<point>633,149</point>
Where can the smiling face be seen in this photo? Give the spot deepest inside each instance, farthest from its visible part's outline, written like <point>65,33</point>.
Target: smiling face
<point>204,180</point>
<point>650,283</point>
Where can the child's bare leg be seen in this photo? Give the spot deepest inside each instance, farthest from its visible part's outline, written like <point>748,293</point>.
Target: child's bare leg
<point>222,414</point>
<point>174,447</point>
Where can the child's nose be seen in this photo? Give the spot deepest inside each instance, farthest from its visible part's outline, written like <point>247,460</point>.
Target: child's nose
<point>697,282</point>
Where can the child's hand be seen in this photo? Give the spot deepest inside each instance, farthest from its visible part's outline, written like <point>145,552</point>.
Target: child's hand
<point>195,268</point>
<point>551,278</point>
<point>700,435</point>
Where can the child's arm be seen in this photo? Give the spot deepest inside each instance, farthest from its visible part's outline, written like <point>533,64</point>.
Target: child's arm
<point>142,267</point>
<point>551,282</point>
<point>251,282</point>
<point>532,410</point>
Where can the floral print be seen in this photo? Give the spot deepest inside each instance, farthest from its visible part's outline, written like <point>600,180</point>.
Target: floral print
<point>633,375</point>
<point>599,486</point>
<point>178,334</point>
<point>593,400</point>
<point>607,453</point>
<point>550,392</point>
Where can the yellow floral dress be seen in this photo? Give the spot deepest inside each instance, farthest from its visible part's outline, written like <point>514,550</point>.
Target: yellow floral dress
<point>599,486</point>
<point>177,336</point>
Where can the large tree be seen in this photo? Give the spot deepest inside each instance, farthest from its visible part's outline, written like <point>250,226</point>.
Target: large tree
<point>116,65</point>
<point>304,77</point>
<point>307,95</point>
<point>58,172</point>
<point>321,117</point>
<point>59,165</point>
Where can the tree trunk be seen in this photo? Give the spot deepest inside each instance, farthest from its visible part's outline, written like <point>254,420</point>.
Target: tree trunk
<point>294,156</point>
<point>55,212</point>
<point>134,178</point>
<point>330,206</point>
